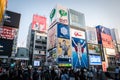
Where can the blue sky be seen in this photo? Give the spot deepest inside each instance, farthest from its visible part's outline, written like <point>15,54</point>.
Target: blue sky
<point>97,12</point>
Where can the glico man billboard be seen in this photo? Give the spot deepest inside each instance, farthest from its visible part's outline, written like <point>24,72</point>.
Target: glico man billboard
<point>79,52</point>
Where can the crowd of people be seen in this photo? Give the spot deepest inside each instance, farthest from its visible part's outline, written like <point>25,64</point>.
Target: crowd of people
<point>53,73</point>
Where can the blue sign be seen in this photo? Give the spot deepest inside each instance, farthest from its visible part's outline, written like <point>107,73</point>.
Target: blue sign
<point>63,31</point>
<point>95,60</point>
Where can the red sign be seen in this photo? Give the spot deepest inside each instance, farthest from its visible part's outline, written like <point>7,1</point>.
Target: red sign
<point>107,41</point>
<point>7,32</point>
<point>39,23</point>
<point>77,34</point>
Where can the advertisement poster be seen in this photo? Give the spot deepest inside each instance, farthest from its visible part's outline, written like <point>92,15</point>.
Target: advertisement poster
<point>79,53</point>
<point>104,66</point>
<point>91,35</point>
<point>39,23</point>
<point>6,47</point>
<point>110,51</point>
<point>51,38</point>
<point>104,30</point>
<point>107,41</point>
<point>77,33</point>
<point>12,19</point>
<point>3,4</point>
<point>95,60</point>
<point>52,56</point>
<point>94,49</point>
<point>59,14</point>
<point>64,48</point>
<point>77,19</point>
<point>7,32</point>
<point>63,31</point>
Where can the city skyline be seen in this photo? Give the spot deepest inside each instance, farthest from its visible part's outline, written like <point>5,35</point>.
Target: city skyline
<point>103,12</point>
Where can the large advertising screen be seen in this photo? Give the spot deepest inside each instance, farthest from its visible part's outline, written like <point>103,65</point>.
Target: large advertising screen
<point>51,37</point>
<point>64,62</point>
<point>79,53</point>
<point>3,4</point>
<point>95,60</point>
<point>107,41</point>
<point>64,48</point>
<point>77,19</point>
<point>7,32</point>
<point>63,31</point>
<point>59,14</point>
<point>94,49</point>
<point>36,63</point>
<point>12,19</point>
<point>39,23</point>
<point>6,47</point>
<point>52,56</point>
<point>91,35</point>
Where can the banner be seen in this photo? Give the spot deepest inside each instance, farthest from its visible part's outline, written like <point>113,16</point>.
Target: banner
<point>63,31</point>
<point>77,33</point>
<point>52,38</point>
<point>104,66</point>
<point>107,41</point>
<point>12,19</point>
<point>110,51</point>
<point>95,60</point>
<point>7,33</point>
<point>91,35</point>
<point>77,19</point>
<point>59,14</point>
<point>64,48</point>
<point>79,53</point>
<point>94,49</point>
<point>39,23</point>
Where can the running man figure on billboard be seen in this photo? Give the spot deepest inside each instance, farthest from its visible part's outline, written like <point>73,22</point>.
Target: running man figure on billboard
<point>79,48</point>
<point>65,48</point>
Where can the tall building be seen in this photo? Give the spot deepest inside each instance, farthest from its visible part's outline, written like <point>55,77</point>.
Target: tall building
<point>37,41</point>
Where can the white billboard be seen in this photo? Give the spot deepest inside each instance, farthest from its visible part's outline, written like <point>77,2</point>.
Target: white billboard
<point>110,51</point>
<point>91,35</point>
<point>77,19</point>
<point>77,33</point>
<point>59,14</point>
